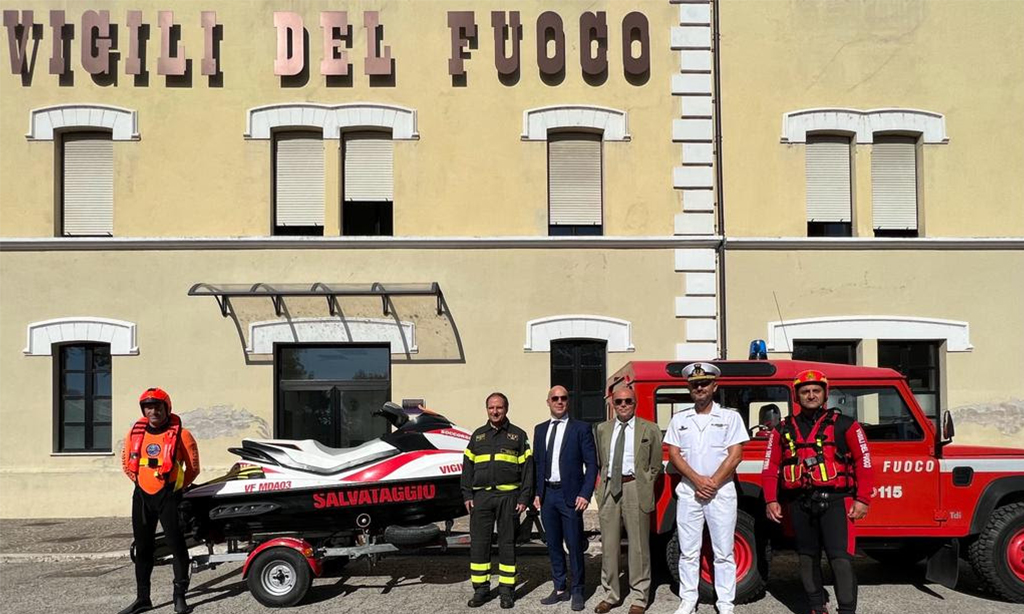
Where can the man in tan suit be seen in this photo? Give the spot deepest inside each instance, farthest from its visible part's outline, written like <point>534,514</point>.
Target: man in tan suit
<point>629,452</point>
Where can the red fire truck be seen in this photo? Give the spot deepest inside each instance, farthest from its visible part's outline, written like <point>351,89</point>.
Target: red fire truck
<point>933,499</point>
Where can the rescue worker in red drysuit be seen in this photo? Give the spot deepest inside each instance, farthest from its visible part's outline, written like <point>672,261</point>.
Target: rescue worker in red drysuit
<point>821,462</point>
<point>162,458</point>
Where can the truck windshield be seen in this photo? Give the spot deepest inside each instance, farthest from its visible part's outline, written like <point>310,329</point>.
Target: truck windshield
<point>882,412</point>
<point>761,407</point>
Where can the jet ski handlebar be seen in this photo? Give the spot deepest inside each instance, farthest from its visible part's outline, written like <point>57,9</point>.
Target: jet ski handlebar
<point>394,413</point>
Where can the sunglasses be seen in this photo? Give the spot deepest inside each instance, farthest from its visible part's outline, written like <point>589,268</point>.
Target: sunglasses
<point>624,401</point>
<point>701,383</point>
<point>560,398</point>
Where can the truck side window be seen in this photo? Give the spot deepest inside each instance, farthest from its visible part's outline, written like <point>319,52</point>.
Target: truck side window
<point>759,406</point>
<point>668,401</point>
<point>881,411</point>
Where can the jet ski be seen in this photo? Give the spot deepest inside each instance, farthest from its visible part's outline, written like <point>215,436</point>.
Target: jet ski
<point>395,486</point>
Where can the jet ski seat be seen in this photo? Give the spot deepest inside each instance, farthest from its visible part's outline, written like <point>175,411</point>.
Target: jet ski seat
<point>311,456</point>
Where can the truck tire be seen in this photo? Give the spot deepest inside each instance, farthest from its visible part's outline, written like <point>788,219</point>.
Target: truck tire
<point>997,555</point>
<point>753,557</point>
<point>279,577</point>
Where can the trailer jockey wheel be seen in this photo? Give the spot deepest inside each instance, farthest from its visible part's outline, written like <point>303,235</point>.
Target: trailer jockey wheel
<point>279,577</point>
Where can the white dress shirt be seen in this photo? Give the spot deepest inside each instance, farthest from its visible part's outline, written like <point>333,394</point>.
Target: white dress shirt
<point>627,453</point>
<point>555,453</point>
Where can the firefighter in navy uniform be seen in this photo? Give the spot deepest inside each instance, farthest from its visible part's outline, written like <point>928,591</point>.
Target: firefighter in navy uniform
<point>820,459</point>
<point>497,486</point>
<point>162,458</point>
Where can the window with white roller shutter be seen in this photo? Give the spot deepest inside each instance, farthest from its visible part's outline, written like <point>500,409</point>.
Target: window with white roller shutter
<point>298,183</point>
<point>87,184</point>
<point>368,185</point>
<point>574,181</point>
<point>828,179</point>
<point>894,183</point>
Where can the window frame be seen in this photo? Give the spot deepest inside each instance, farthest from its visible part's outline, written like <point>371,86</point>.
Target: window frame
<point>935,351</point>
<point>576,391</point>
<point>575,229</point>
<point>831,228</point>
<point>88,396</point>
<point>297,230</point>
<point>323,384</point>
<point>60,189</point>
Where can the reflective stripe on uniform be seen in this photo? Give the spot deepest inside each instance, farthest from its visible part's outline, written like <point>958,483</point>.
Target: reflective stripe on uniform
<point>507,580</point>
<point>472,457</point>
<point>507,487</point>
<point>484,579</point>
<point>525,455</point>
<point>506,458</point>
<point>480,566</point>
<point>507,569</point>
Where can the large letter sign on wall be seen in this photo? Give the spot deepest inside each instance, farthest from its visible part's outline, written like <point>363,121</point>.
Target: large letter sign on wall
<point>96,35</point>
<point>57,61</point>
<point>289,60</point>
<point>17,44</point>
<point>133,64</point>
<point>506,64</point>
<point>168,64</point>
<point>550,21</point>
<point>594,27</point>
<point>335,27</point>
<point>463,28</point>
<point>209,21</point>
<point>635,27</point>
<point>378,55</point>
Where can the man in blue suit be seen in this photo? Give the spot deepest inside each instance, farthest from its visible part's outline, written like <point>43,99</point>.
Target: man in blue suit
<point>565,458</point>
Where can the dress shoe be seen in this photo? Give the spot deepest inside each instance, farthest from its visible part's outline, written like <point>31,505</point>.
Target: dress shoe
<point>685,607</point>
<point>480,596</point>
<point>578,602</point>
<point>555,597</point>
<point>141,604</point>
<point>603,608</point>
<point>636,609</point>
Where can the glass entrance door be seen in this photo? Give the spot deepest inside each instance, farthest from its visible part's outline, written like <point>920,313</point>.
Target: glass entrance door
<point>329,392</point>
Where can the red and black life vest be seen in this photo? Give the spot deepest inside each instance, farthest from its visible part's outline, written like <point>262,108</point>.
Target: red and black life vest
<point>165,464</point>
<point>817,461</point>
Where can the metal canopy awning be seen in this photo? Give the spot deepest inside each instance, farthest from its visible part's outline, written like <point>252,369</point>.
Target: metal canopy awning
<point>277,292</point>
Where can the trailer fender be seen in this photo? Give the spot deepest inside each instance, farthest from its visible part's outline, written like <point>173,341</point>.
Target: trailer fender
<point>295,543</point>
<point>1009,489</point>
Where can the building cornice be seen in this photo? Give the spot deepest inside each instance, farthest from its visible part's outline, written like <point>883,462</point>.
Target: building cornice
<point>46,244</point>
<point>281,243</point>
<point>874,244</point>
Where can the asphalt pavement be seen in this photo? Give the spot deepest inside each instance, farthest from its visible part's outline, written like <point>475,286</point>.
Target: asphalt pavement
<point>81,565</point>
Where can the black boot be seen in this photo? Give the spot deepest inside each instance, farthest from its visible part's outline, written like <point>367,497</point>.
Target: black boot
<point>141,603</point>
<point>508,598</point>
<point>180,606</point>
<point>480,596</point>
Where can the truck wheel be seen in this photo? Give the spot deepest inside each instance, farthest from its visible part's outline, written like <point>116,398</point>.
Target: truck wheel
<point>998,554</point>
<point>752,555</point>
<point>279,577</point>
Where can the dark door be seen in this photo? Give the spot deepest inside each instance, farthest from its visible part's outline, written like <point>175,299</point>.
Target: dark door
<point>579,365</point>
<point>329,393</point>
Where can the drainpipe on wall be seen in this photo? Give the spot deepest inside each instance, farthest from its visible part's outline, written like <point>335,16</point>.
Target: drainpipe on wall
<point>720,209</point>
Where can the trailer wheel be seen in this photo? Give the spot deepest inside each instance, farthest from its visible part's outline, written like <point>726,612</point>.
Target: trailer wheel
<point>998,554</point>
<point>752,555</point>
<point>279,577</point>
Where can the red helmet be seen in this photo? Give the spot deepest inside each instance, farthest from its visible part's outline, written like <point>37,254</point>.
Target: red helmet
<point>810,376</point>
<point>152,395</point>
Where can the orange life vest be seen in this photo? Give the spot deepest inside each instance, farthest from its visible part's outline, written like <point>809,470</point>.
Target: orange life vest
<point>815,461</point>
<point>165,464</point>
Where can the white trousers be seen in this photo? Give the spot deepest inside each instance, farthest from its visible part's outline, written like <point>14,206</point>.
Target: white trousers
<point>720,515</point>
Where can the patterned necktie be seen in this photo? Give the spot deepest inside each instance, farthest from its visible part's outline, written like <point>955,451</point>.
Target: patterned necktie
<point>551,447</point>
<point>615,484</point>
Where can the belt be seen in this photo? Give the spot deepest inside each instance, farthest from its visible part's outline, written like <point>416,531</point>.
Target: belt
<point>554,485</point>
<point>628,478</point>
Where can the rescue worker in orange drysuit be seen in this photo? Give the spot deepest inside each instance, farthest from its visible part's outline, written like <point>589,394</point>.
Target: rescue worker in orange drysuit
<point>162,458</point>
<point>820,459</point>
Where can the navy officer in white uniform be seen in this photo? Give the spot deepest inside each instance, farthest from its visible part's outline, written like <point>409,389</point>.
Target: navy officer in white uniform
<point>705,444</point>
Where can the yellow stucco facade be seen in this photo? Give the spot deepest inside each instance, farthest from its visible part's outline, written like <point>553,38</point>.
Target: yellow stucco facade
<point>682,145</point>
